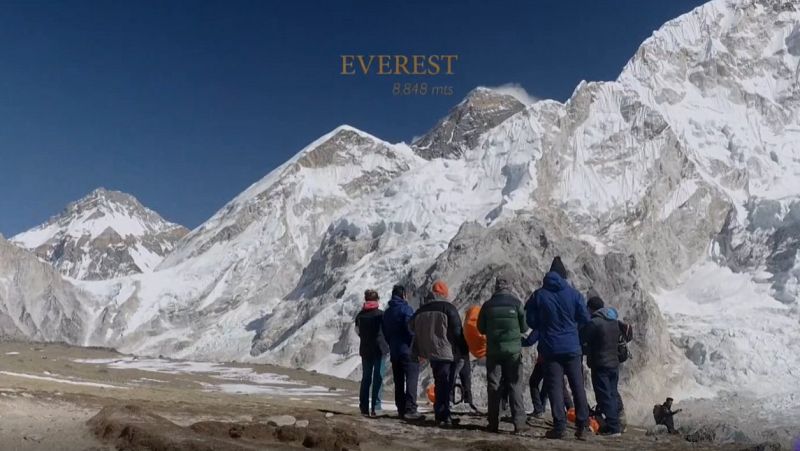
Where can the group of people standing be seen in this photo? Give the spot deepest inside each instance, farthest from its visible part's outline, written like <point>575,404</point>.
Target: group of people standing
<point>564,324</point>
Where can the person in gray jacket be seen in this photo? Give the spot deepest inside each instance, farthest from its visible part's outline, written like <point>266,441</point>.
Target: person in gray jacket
<point>437,333</point>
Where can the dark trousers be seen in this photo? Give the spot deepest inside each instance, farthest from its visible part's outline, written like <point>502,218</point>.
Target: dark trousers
<point>604,381</point>
<point>443,383</point>
<point>667,421</point>
<point>462,371</point>
<point>371,378</point>
<point>505,376</point>
<point>406,383</point>
<point>539,396</point>
<point>556,367</point>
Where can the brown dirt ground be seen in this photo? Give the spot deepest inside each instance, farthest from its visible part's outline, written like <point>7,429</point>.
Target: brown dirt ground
<point>157,411</point>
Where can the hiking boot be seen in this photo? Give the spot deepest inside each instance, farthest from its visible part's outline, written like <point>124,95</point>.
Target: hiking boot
<point>554,434</point>
<point>413,416</point>
<point>537,415</point>
<point>583,433</point>
<point>611,434</point>
<point>606,432</point>
<point>520,430</point>
<point>448,423</point>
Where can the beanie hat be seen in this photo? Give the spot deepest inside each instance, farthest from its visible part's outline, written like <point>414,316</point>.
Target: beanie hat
<point>558,267</point>
<point>399,291</point>
<point>501,282</point>
<point>440,288</point>
<point>595,303</point>
<point>371,295</point>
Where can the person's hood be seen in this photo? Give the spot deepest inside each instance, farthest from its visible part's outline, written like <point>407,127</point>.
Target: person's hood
<point>397,300</point>
<point>609,313</point>
<point>558,267</point>
<point>554,282</point>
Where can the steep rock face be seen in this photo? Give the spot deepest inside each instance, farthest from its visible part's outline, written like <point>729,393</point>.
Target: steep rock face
<point>35,302</point>
<point>461,129</point>
<point>522,249</point>
<point>106,234</point>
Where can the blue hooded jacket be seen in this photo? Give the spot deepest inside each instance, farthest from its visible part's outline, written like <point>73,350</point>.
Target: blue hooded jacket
<point>557,311</point>
<point>395,327</point>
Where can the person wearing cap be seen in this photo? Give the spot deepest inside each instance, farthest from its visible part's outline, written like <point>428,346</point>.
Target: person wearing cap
<point>373,348</point>
<point>437,337</point>
<point>557,311</point>
<point>600,339</point>
<point>405,370</point>
<point>502,321</point>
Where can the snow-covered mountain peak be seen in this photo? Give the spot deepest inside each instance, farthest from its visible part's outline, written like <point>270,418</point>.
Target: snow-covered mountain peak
<point>727,77</point>
<point>103,235</point>
<point>481,110</point>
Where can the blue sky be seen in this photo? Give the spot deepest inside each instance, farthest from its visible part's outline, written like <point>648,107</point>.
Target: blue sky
<point>186,103</point>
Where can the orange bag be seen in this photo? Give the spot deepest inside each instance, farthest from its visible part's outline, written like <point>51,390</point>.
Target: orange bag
<point>594,425</point>
<point>475,341</point>
<point>431,392</point>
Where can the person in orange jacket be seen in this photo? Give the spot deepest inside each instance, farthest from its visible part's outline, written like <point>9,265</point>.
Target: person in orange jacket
<point>475,340</point>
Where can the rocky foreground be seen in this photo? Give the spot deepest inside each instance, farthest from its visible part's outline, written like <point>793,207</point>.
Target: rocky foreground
<point>59,397</point>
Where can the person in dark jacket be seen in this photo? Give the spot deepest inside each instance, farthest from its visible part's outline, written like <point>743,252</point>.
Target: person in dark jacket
<point>373,348</point>
<point>557,311</point>
<point>437,333</point>
<point>405,370</point>
<point>502,321</point>
<point>539,395</point>
<point>664,414</point>
<point>600,338</point>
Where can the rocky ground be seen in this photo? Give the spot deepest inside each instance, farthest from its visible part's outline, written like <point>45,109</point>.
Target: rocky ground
<point>55,397</point>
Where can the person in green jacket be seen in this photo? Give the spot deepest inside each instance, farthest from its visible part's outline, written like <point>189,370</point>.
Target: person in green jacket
<point>502,320</point>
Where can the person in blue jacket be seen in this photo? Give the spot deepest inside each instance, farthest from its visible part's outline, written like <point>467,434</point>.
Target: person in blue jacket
<point>405,370</point>
<point>557,311</point>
